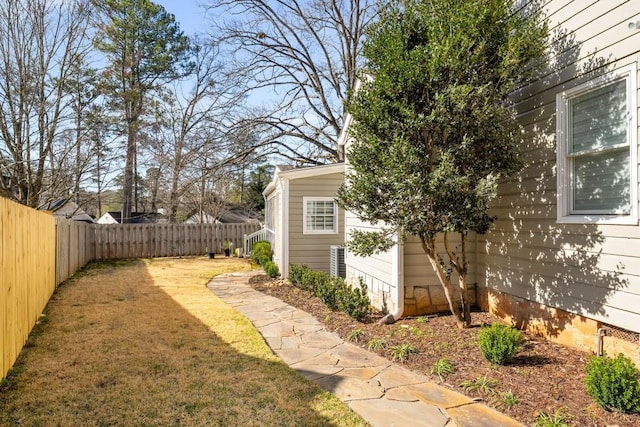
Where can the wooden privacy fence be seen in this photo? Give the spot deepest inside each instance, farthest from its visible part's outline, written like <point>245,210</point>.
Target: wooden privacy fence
<point>75,247</point>
<point>161,240</point>
<point>38,252</point>
<point>27,274</point>
<point>79,243</point>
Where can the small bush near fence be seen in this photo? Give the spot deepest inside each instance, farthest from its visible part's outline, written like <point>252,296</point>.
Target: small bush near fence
<point>333,291</point>
<point>271,268</point>
<point>261,252</point>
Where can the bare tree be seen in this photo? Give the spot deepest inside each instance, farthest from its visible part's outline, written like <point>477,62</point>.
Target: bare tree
<point>306,51</point>
<point>190,113</point>
<point>145,48</point>
<point>102,137</point>
<point>39,42</point>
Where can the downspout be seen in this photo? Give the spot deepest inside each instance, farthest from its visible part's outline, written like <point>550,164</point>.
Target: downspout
<point>397,260</point>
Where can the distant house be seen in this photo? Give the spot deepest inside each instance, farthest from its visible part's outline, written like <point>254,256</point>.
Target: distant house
<point>227,216</point>
<point>136,218</point>
<point>562,259</point>
<point>66,208</point>
<point>302,219</point>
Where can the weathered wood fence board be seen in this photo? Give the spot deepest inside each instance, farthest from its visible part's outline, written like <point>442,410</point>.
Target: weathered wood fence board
<point>75,247</point>
<point>161,240</point>
<point>38,252</point>
<point>27,274</point>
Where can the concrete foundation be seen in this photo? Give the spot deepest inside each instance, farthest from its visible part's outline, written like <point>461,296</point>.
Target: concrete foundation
<point>557,325</point>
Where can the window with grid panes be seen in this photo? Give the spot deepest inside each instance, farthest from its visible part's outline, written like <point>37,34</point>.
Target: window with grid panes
<point>597,150</point>
<point>320,215</point>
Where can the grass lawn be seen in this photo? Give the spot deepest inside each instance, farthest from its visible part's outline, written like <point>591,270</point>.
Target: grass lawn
<point>144,342</point>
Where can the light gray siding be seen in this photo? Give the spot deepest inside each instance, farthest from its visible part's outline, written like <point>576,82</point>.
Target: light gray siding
<point>312,249</point>
<point>588,269</point>
<point>274,211</point>
<point>424,293</point>
<point>375,271</point>
<point>418,270</point>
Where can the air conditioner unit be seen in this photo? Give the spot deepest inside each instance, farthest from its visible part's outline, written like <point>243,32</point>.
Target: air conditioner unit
<point>337,266</point>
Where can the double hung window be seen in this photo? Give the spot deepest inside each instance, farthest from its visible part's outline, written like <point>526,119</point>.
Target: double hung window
<point>320,215</point>
<point>597,150</point>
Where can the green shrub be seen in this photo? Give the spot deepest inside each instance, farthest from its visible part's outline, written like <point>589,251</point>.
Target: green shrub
<point>303,277</point>
<point>332,290</point>
<point>271,268</point>
<point>327,288</point>
<point>261,252</point>
<point>354,301</point>
<point>499,343</point>
<point>296,272</point>
<point>613,383</point>
<point>316,280</point>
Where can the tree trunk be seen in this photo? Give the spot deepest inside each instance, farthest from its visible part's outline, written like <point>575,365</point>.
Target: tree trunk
<point>465,304</point>
<point>175,176</point>
<point>429,245</point>
<point>98,178</point>
<point>462,267</point>
<point>127,186</point>
<point>460,264</point>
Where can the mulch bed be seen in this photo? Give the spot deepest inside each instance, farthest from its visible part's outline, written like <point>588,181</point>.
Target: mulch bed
<point>544,377</point>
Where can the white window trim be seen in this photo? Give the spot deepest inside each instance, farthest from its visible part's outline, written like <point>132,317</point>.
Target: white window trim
<point>271,202</point>
<point>305,229</point>
<point>564,184</point>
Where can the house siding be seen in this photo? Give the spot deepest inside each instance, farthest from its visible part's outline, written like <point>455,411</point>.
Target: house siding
<point>312,249</point>
<point>424,293</point>
<point>274,201</point>
<point>375,271</point>
<point>588,270</point>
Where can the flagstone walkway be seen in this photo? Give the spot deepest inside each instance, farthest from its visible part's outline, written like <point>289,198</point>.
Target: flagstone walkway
<point>383,393</point>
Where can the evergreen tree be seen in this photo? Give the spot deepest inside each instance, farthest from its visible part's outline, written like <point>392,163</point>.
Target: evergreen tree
<point>433,128</point>
<point>145,49</point>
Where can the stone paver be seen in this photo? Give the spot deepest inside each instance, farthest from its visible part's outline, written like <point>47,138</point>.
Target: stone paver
<point>383,393</point>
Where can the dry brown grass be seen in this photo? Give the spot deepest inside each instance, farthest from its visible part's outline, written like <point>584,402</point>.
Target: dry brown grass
<point>145,343</point>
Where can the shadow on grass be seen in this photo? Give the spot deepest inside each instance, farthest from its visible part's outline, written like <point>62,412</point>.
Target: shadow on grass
<point>116,349</point>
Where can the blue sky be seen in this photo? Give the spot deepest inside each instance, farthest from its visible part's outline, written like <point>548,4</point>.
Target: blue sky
<point>188,14</point>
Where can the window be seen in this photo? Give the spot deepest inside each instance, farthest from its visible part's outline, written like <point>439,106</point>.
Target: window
<point>597,150</point>
<point>320,215</point>
<point>269,213</point>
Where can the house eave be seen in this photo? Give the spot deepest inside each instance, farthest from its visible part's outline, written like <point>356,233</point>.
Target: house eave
<point>305,172</point>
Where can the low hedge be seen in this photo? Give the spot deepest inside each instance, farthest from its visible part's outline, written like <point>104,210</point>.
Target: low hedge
<point>271,268</point>
<point>333,291</point>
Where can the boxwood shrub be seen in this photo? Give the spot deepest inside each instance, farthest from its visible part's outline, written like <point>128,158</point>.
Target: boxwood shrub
<point>613,383</point>
<point>271,268</point>
<point>261,252</point>
<point>333,291</point>
<point>499,343</point>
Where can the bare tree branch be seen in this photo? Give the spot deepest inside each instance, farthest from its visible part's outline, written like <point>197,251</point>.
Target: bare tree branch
<point>38,43</point>
<point>306,53</point>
